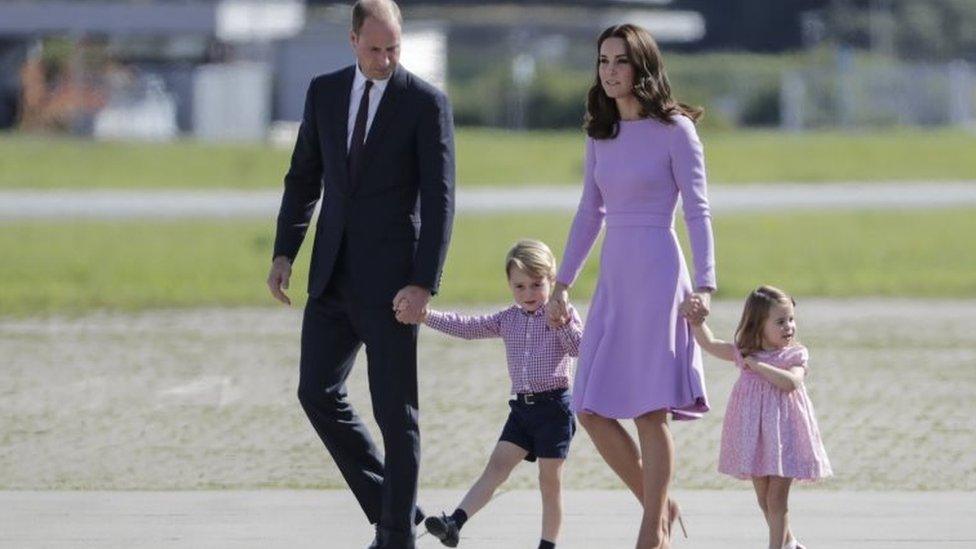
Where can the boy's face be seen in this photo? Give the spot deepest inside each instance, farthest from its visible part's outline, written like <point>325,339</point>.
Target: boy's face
<point>529,292</point>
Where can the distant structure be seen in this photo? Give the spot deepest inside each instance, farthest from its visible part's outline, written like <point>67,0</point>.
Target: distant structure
<point>216,70</point>
<point>237,70</point>
<point>228,69</point>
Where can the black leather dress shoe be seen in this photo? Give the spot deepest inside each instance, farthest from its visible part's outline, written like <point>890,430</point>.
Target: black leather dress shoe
<point>386,539</point>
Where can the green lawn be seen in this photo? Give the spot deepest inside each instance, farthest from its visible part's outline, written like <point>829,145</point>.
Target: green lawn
<point>77,266</point>
<point>494,158</point>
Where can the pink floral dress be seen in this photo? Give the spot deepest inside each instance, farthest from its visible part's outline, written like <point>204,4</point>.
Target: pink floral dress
<point>768,431</point>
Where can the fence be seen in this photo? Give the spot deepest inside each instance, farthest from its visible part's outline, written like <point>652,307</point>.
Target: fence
<point>851,95</point>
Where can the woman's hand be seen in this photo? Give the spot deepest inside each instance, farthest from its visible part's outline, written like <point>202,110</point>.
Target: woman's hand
<point>690,310</point>
<point>559,305</point>
<point>696,307</point>
<point>704,296</point>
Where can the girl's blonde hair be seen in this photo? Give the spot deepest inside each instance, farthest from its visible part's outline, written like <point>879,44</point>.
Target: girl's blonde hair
<point>533,257</point>
<point>749,334</point>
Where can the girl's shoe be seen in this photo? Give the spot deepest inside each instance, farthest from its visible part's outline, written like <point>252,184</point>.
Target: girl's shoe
<point>674,513</point>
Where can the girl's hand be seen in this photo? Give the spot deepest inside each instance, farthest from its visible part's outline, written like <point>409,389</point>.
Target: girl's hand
<point>558,306</point>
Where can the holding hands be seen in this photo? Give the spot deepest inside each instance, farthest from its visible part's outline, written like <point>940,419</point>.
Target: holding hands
<point>558,307</point>
<point>696,307</point>
<point>410,304</point>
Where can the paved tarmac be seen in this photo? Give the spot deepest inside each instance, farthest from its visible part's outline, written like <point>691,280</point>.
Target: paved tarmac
<point>182,203</point>
<point>593,519</point>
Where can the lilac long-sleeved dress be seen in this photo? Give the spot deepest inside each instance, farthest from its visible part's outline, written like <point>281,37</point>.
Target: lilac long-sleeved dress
<point>638,354</point>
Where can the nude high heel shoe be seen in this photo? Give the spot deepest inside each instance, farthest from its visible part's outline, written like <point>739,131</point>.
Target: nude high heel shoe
<point>674,513</point>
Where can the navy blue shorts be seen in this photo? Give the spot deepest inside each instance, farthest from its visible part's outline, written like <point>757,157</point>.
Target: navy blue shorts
<point>544,428</point>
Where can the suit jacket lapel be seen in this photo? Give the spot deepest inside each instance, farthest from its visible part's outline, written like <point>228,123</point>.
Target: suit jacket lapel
<point>340,125</point>
<point>384,114</point>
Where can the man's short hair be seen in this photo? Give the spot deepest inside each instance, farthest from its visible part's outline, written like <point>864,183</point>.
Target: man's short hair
<point>385,10</point>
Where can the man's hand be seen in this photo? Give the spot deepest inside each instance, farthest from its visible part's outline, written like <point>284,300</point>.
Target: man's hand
<point>410,304</point>
<point>558,307</point>
<point>278,278</point>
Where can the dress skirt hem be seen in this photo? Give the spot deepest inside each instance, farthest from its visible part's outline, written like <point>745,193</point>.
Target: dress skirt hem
<point>686,412</point>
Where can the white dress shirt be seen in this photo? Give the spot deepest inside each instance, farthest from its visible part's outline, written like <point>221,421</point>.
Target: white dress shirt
<point>375,94</point>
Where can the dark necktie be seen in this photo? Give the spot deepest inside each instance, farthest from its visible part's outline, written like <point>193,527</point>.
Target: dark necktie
<point>359,134</point>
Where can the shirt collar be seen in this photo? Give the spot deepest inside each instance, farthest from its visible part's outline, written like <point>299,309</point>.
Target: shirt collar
<point>538,312</point>
<point>359,81</point>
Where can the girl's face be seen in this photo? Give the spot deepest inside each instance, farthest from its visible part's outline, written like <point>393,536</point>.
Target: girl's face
<point>615,71</point>
<point>529,292</point>
<point>779,330</point>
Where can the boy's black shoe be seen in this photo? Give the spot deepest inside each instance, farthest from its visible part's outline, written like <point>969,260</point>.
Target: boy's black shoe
<point>443,528</point>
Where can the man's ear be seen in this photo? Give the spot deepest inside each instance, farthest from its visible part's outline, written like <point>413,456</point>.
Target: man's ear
<point>353,38</point>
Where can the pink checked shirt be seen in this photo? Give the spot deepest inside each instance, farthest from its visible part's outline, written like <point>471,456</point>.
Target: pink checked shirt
<point>539,357</point>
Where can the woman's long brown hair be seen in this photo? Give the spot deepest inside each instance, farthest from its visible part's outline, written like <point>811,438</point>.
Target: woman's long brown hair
<point>749,334</point>
<point>651,85</point>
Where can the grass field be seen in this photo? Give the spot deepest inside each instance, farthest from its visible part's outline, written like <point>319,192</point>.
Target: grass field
<point>494,158</point>
<point>78,266</point>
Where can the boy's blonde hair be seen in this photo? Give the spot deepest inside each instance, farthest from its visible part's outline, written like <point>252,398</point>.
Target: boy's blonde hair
<point>532,257</point>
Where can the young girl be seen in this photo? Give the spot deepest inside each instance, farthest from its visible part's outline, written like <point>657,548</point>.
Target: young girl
<point>770,434</point>
<point>540,424</point>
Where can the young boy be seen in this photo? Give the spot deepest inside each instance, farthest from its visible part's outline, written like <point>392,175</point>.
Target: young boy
<point>540,424</point>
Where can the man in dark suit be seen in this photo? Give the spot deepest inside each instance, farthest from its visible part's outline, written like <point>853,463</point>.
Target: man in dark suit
<point>377,143</point>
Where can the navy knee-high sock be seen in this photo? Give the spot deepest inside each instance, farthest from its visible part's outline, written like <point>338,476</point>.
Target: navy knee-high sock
<point>459,517</point>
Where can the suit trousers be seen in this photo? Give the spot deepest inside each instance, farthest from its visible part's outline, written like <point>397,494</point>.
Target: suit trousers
<point>333,330</point>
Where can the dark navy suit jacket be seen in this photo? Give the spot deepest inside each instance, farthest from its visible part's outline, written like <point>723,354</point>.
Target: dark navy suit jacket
<point>396,219</point>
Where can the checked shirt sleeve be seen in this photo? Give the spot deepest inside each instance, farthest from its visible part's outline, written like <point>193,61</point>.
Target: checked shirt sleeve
<point>467,327</point>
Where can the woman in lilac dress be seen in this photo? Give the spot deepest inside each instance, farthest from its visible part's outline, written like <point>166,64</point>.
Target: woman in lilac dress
<point>638,359</point>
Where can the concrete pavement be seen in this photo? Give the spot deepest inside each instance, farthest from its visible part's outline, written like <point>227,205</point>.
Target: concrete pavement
<point>188,203</point>
<point>593,519</point>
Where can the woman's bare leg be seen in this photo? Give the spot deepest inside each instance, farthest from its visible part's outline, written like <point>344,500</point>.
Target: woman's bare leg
<point>657,449</point>
<point>617,448</point>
